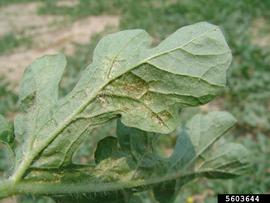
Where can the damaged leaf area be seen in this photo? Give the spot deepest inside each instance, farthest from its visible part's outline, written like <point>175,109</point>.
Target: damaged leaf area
<point>131,162</point>
<point>145,88</point>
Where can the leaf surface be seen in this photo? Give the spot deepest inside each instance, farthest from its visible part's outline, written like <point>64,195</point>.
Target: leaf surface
<point>200,151</point>
<point>144,86</point>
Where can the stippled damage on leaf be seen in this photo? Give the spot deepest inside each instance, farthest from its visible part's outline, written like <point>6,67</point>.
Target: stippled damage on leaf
<point>143,86</point>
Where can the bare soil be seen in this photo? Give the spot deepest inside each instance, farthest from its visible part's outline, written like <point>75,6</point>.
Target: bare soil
<point>49,35</point>
<point>260,34</point>
<point>9,200</point>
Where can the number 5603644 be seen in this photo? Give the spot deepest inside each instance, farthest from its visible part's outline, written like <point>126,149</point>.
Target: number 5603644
<point>242,198</point>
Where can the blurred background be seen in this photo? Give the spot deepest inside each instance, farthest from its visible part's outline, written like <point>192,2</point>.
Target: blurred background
<point>30,29</point>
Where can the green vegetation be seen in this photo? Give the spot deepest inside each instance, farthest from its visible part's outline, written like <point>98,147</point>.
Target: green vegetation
<point>247,96</point>
<point>144,88</point>
<point>10,41</point>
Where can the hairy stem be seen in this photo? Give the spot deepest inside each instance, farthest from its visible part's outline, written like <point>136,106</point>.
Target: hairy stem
<point>45,188</point>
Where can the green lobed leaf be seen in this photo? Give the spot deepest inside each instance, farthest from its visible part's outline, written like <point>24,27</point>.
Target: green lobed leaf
<point>200,151</point>
<point>143,86</point>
